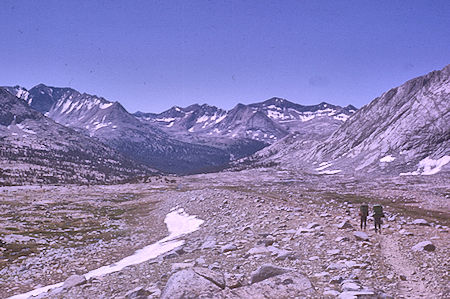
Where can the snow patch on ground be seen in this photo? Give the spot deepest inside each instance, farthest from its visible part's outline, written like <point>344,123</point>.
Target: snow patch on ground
<point>387,159</point>
<point>429,166</point>
<point>178,223</point>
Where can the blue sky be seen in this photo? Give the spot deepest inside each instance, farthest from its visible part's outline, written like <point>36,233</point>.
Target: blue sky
<point>151,55</point>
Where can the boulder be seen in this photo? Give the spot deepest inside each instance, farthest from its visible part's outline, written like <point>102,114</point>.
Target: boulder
<point>213,276</point>
<point>362,236</point>
<point>285,254</point>
<point>267,271</point>
<point>258,250</point>
<point>350,286</point>
<point>73,281</point>
<point>313,225</point>
<point>333,252</point>
<point>331,293</point>
<point>425,245</point>
<point>137,293</point>
<point>208,244</point>
<point>336,266</point>
<point>342,239</point>
<point>267,241</point>
<point>288,285</point>
<point>357,294</point>
<point>303,230</point>
<point>422,222</point>
<point>180,266</point>
<point>344,225</point>
<point>233,281</point>
<point>188,283</point>
<point>228,247</point>
<point>336,279</point>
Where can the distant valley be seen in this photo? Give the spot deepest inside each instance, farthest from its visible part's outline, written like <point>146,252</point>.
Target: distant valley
<point>198,138</point>
<point>405,131</point>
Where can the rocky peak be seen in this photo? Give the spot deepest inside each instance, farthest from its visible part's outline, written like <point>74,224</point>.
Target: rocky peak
<point>408,123</point>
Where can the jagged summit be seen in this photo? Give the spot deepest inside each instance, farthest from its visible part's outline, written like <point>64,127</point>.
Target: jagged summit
<point>110,123</point>
<point>169,140</point>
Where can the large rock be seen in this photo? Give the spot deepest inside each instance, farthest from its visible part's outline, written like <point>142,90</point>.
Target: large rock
<point>284,286</point>
<point>422,222</point>
<point>362,236</point>
<point>228,247</point>
<point>267,271</point>
<point>425,245</point>
<point>258,250</point>
<point>285,254</point>
<point>344,225</point>
<point>233,281</point>
<point>137,293</point>
<point>358,294</point>
<point>303,230</point>
<point>180,266</point>
<point>210,243</point>
<point>213,276</point>
<point>312,225</point>
<point>189,283</point>
<point>350,286</point>
<point>73,281</point>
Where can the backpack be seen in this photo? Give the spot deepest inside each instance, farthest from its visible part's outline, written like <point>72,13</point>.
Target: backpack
<point>364,209</point>
<point>378,210</point>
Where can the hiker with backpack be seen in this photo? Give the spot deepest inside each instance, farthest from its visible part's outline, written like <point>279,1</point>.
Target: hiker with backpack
<point>363,213</point>
<point>377,215</point>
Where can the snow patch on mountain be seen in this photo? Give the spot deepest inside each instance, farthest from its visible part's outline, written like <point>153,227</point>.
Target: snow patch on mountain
<point>330,172</point>
<point>323,165</point>
<point>105,105</point>
<point>429,166</point>
<point>387,159</point>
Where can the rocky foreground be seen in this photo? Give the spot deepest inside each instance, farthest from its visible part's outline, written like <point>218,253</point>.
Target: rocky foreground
<point>266,234</point>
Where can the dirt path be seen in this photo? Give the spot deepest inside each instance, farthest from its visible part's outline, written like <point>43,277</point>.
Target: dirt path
<point>413,286</point>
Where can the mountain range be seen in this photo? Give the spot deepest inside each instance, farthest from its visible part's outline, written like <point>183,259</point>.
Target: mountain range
<point>198,138</point>
<point>405,131</point>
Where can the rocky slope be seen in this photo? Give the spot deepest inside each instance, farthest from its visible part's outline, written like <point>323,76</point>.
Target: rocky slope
<point>265,234</point>
<point>35,149</point>
<point>246,129</point>
<point>404,131</point>
<point>111,124</point>
<point>197,138</point>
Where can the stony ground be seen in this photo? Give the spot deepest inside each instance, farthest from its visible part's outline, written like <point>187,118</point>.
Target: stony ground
<point>307,224</point>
